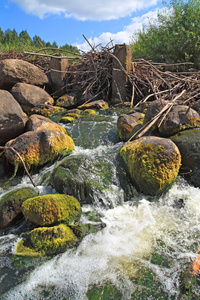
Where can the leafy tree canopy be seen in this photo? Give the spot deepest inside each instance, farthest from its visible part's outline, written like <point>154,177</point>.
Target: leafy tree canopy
<point>173,37</point>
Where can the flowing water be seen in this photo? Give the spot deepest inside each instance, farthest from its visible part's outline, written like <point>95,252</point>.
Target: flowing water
<point>140,253</point>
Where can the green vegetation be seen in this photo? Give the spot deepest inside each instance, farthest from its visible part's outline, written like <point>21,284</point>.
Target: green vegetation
<point>11,40</point>
<point>174,37</point>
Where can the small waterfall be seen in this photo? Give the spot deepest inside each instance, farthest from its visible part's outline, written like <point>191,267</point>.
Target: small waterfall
<point>140,254</point>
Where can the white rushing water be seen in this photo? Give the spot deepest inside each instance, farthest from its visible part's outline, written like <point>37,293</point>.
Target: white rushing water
<point>134,232</point>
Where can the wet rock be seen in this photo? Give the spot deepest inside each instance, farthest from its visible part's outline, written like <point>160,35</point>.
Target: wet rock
<point>153,163</point>
<point>10,205</point>
<point>46,241</point>
<point>188,142</point>
<point>13,71</point>
<point>83,176</point>
<point>39,147</point>
<point>48,209</point>
<point>67,101</point>
<point>97,104</point>
<point>178,119</point>
<point>12,118</point>
<point>37,122</point>
<point>30,96</point>
<point>127,125</point>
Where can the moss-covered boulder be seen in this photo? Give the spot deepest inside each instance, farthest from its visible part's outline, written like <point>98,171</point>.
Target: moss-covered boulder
<point>46,241</point>
<point>88,112</point>
<point>38,122</point>
<point>83,176</point>
<point>188,142</point>
<point>153,163</point>
<point>39,147</point>
<point>51,209</point>
<point>10,205</point>
<point>127,125</point>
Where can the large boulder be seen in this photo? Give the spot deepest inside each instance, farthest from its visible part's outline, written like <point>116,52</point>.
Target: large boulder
<point>12,118</point>
<point>127,125</point>
<point>179,118</point>
<point>10,205</point>
<point>153,109</point>
<point>46,210</point>
<point>30,96</point>
<point>13,71</point>
<point>188,142</point>
<point>39,147</point>
<point>37,122</point>
<point>84,177</point>
<point>46,241</point>
<point>153,163</point>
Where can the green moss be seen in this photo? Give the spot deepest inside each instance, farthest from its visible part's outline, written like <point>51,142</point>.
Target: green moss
<point>19,195</point>
<point>51,240</point>
<point>150,167</point>
<point>25,251</point>
<point>50,209</point>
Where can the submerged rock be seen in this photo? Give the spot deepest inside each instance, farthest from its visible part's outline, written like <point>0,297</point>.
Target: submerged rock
<point>10,205</point>
<point>46,241</point>
<point>51,209</point>
<point>83,177</point>
<point>12,118</point>
<point>39,147</point>
<point>153,163</point>
<point>30,96</point>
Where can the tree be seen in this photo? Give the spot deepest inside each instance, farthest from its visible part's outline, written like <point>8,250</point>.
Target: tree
<point>174,36</point>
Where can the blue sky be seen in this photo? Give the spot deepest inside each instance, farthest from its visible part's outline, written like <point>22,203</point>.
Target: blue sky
<point>65,21</point>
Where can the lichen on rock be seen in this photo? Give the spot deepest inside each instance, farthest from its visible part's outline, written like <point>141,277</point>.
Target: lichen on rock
<point>46,210</point>
<point>153,163</point>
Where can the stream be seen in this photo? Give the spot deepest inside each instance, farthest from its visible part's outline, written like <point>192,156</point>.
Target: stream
<point>142,251</point>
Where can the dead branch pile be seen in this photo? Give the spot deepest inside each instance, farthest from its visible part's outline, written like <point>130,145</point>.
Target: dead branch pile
<point>151,82</point>
<point>92,73</point>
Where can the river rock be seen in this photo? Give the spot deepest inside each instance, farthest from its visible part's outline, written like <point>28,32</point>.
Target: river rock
<point>153,163</point>
<point>13,71</point>
<point>127,125</point>
<point>12,118</point>
<point>179,118</point>
<point>39,147</point>
<point>188,142</point>
<point>67,101</point>
<point>37,122</point>
<point>97,104</point>
<point>48,209</point>
<point>10,205</point>
<point>83,176</point>
<point>153,109</point>
<point>30,96</point>
<point>46,241</point>
<point>196,106</point>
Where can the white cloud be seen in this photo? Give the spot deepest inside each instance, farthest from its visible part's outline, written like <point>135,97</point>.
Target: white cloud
<point>84,10</point>
<point>120,37</point>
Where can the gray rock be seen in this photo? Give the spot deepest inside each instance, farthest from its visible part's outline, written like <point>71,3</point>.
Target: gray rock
<point>13,71</point>
<point>12,118</point>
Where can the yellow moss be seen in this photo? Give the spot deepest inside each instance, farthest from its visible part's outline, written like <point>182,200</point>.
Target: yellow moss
<point>50,240</point>
<point>67,119</point>
<point>50,209</point>
<point>38,154</point>
<point>88,112</point>
<point>25,251</point>
<point>150,167</point>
